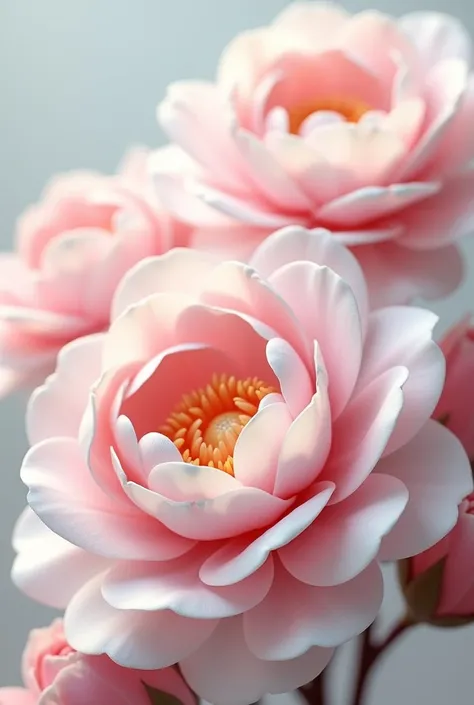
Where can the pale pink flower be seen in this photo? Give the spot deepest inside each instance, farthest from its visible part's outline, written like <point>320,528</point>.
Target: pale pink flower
<point>456,406</point>
<point>72,249</point>
<point>451,562</point>
<point>224,469</point>
<point>55,674</point>
<point>361,124</point>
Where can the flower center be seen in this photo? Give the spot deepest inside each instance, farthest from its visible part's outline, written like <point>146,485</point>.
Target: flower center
<point>351,109</point>
<point>206,423</point>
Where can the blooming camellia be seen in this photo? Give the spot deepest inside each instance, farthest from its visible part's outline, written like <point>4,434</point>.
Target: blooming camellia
<point>72,250</point>
<point>219,474</point>
<point>360,124</point>
<point>54,674</point>
<point>439,583</point>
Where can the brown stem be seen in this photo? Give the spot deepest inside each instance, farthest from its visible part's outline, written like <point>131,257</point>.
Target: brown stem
<point>370,653</point>
<point>313,692</point>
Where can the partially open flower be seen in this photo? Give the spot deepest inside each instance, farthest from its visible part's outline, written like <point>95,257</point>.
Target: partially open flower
<point>361,124</point>
<point>55,674</point>
<point>73,248</point>
<point>224,469</point>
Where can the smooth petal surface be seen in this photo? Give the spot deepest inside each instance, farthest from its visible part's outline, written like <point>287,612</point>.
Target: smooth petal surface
<point>434,494</point>
<point>404,336</point>
<point>16,696</point>
<point>328,312</point>
<point>175,586</point>
<point>241,677</point>
<point>239,558</point>
<point>294,244</point>
<point>56,408</point>
<point>437,36</point>
<point>346,537</point>
<point>47,568</point>
<point>280,628</point>
<point>72,505</point>
<point>131,638</point>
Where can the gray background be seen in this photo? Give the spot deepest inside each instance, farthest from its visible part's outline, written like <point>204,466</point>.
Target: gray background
<point>79,81</point>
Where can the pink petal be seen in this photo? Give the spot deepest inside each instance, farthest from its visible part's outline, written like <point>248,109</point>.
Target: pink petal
<point>175,586</point>
<point>294,244</point>
<point>212,504</point>
<point>443,219</point>
<point>307,442</point>
<point>48,568</point>
<point>258,447</point>
<point>56,408</point>
<point>295,382</point>
<point>458,578</point>
<point>311,24</point>
<point>179,194</point>
<point>17,696</point>
<point>436,470</point>
<point>437,36</point>
<point>241,677</point>
<point>132,638</point>
<point>361,433</point>
<point>396,275</point>
<point>404,336</point>
<point>276,629</point>
<point>268,176</point>
<point>346,537</point>
<point>364,205</point>
<point>237,286</point>
<point>238,559</point>
<point>180,270</point>
<point>333,320</point>
<point>72,505</point>
<point>196,115</point>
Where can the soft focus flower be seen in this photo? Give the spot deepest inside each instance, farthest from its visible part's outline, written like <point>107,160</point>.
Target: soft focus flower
<point>72,250</point>
<point>456,406</point>
<point>54,674</point>
<point>361,124</point>
<point>224,468</point>
<point>439,583</point>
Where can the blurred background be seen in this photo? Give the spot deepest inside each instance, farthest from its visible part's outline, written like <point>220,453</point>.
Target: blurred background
<point>80,81</point>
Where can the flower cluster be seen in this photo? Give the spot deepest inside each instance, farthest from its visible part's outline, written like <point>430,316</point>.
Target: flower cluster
<point>240,412</point>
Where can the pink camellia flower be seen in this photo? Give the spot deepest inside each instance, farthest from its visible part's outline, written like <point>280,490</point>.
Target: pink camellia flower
<point>439,583</point>
<point>219,474</point>
<point>456,406</point>
<point>361,124</point>
<point>72,250</point>
<point>55,674</point>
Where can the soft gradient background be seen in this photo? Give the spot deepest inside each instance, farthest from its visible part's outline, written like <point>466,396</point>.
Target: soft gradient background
<point>79,81</point>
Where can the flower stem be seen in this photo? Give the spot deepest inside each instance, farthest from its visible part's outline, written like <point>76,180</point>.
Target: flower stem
<point>370,653</point>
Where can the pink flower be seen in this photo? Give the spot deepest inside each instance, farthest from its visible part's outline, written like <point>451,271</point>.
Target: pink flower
<point>456,406</point>
<point>54,674</point>
<point>361,124</point>
<point>72,250</point>
<point>439,583</point>
<point>221,472</point>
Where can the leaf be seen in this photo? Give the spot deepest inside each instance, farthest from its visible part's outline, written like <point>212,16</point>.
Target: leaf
<point>158,697</point>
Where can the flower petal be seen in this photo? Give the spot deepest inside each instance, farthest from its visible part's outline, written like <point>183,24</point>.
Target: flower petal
<point>241,677</point>
<point>238,559</point>
<point>404,336</point>
<point>131,638</point>
<point>72,505</point>
<point>276,629</point>
<point>57,408</point>
<point>437,36</point>
<point>436,470</point>
<point>294,244</point>
<point>175,586</point>
<point>48,568</point>
<point>327,309</point>
<point>346,537</point>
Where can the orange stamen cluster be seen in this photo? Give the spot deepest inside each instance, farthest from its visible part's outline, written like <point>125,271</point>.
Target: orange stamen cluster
<point>351,109</point>
<point>207,422</point>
